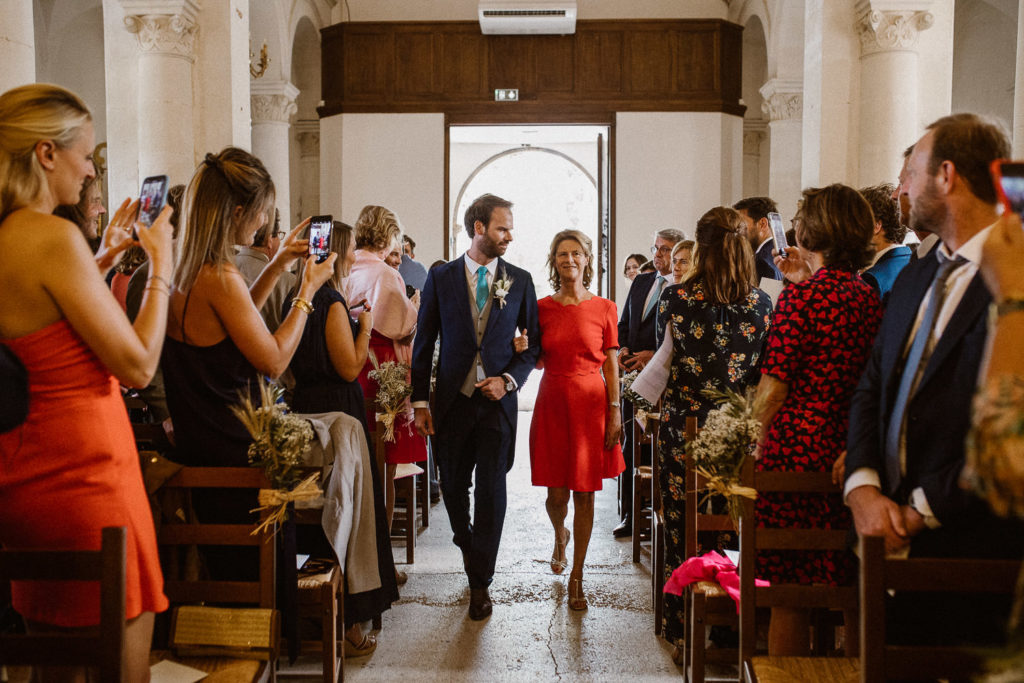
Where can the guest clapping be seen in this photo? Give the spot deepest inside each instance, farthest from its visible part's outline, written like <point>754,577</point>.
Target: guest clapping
<point>820,341</point>
<point>71,468</point>
<point>574,435</point>
<point>717,321</point>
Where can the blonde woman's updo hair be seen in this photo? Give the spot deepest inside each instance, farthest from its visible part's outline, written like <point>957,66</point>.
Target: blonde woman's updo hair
<point>377,228</point>
<point>209,226</point>
<point>28,115</point>
<point>722,260</point>
<point>588,251</point>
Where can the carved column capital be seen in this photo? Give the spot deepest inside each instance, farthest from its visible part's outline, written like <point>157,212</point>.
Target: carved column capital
<point>783,99</point>
<point>891,26</point>
<point>754,133</point>
<point>163,26</point>
<point>308,136</point>
<point>273,101</point>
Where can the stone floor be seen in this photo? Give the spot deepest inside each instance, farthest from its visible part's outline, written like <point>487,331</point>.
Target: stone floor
<point>532,635</point>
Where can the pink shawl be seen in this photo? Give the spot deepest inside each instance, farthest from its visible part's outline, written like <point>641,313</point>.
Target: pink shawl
<point>383,288</point>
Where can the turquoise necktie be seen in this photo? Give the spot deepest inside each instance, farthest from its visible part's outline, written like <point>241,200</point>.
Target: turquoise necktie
<point>482,290</point>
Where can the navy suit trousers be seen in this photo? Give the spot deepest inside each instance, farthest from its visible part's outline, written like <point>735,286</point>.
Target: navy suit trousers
<point>475,434</point>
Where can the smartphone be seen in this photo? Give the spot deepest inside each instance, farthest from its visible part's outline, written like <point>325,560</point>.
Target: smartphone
<point>1008,177</point>
<point>152,197</point>
<point>778,233</point>
<point>320,236</point>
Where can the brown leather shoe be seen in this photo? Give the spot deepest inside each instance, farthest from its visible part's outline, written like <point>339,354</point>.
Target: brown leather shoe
<point>479,604</point>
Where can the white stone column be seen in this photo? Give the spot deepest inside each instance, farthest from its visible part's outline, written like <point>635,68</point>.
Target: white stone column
<point>17,44</point>
<point>783,105</point>
<point>888,31</point>
<point>1018,90</point>
<point>755,134</point>
<point>308,135</point>
<point>273,104</point>
<point>166,30</point>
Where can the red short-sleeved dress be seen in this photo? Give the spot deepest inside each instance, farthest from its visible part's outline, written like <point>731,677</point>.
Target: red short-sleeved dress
<point>567,430</point>
<point>70,470</point>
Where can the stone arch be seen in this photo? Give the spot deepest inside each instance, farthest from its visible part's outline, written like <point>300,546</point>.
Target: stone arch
<point>304,138</point>
<point>756,142</point>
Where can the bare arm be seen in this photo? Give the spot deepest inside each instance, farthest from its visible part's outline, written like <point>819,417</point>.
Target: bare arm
<point>613,419</point>
<point>771,394</point>
<point>348,355</point>
<point>291,249</point>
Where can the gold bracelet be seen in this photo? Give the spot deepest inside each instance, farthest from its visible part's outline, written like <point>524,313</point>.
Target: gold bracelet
<point>367,334</point>
<point>302,305</point>
<point>159,279</point>
<point>151,288</point>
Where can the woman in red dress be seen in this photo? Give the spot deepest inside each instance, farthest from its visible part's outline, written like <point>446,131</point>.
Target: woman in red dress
<point>574,434</point>
<point>71,468</point>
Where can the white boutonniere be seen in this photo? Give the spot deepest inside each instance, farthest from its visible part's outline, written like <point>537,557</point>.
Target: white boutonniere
<point>501,287</point>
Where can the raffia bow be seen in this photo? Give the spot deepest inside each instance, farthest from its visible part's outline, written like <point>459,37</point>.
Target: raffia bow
<point>642,416</point>
<point>718,485</point>
<point>278,499</point>
<point>387,419</point>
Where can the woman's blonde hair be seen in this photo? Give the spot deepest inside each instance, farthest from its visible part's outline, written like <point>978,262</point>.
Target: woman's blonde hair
<point>722,261</point>
<point>209,226</point>
<point>588,251</point>
<point>377,228</point>
<point>29,114</point>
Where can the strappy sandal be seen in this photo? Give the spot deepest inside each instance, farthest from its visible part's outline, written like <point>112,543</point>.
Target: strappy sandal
<point>365,647</point>
<point>558,566</point>
<point>577,598</point>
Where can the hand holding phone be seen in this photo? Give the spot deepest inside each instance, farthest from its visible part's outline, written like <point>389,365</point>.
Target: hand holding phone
<point>320,237</point>
<point>778,233</point>
<point>1008,178</point>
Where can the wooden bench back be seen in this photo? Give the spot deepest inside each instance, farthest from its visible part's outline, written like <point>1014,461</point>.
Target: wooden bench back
<point>107,566</point>
<point>880,661</point>
<point>259,592</point>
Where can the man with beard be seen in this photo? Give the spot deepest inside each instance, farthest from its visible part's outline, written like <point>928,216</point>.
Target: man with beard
<point>928,239</point>
<point>754,211</point>
<point>911,412</point>
<point>476,304</point>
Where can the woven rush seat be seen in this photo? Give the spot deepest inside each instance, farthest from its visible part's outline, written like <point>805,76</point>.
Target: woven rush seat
<point>709,589</point>
<point>806,669</point>
<point>318,579</point>
<point>644,471</point>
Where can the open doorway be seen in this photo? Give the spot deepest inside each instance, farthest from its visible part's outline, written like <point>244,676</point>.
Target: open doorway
<point>556,177</point>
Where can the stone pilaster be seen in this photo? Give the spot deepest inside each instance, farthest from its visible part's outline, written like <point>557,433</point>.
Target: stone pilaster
<point>783,104</point>
<point>273,105</point>
<point>307,133</point>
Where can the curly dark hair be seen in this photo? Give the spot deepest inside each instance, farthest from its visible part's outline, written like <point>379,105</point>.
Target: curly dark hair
<point>837,222</point>
<point>756,207</point>
<point>886,211</point>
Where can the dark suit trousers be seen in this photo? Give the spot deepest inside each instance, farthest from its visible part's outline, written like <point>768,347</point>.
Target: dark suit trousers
<point>475,434</point>
<point>632,460</point>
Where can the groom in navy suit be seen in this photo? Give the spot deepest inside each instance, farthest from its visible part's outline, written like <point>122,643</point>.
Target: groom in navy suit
<point>475,304</point>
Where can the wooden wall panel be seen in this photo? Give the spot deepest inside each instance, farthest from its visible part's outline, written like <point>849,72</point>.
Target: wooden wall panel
<point>606,66</point>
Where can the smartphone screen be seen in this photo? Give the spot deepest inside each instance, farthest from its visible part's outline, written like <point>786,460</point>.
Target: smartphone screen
<point>320,236</point>
<point>151,198</point>
<point>778,233</point>
<point>1009,181</point>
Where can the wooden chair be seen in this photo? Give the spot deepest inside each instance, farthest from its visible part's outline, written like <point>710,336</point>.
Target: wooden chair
<point>707,604</point>
<point>657,533</point>
<point>407,492</point>
<point>103,649</point>
<point>752,539</point>
<point>643,487</point>
<point>880,661</point>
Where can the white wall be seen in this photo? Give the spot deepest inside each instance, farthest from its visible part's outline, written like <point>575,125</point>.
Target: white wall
<point>394,160</point>
<point>669,169</point>
<point>984,58</point>
<point>121,67</point>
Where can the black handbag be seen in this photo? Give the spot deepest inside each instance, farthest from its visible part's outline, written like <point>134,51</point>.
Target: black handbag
<point>13,390</point>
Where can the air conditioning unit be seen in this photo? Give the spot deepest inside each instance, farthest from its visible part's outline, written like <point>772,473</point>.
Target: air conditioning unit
<point>526,17</point>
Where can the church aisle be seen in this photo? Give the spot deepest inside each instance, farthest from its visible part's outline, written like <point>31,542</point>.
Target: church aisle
<point>532,635</point>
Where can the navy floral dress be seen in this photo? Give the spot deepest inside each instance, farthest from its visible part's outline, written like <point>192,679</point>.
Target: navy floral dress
<point>820,341</point>
<point>714,346</point>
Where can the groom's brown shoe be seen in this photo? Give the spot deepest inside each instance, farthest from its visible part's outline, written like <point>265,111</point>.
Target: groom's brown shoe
<point>479,604</point>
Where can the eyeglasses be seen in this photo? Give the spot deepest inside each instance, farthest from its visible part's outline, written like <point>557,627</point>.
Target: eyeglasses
<point>661,250</point>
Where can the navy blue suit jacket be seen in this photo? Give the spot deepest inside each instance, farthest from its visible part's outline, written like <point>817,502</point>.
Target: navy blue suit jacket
<point>636,332</point>
<point>764,263</point>
<point>939,412</point>
<point>883,274</point>
<point>445,312</point>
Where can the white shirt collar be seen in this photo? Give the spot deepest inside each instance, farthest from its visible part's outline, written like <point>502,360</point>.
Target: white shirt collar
<point>472,266</point>
<point>971,249</point>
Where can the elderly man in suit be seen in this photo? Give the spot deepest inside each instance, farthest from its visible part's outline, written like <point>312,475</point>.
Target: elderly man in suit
<point>475,304</point>
<point>911,411</point>
<point>754,211</point>
<point>638,337</point>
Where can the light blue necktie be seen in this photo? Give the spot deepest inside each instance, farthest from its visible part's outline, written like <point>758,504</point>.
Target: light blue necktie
<point>482,290</point>
<point>652,303</point>
<point>911,368</point>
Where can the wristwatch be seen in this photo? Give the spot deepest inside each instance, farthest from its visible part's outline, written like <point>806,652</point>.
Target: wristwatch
<point>510,386</point>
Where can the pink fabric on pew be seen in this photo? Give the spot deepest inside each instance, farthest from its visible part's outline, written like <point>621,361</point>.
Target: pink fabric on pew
<point>708,567</point>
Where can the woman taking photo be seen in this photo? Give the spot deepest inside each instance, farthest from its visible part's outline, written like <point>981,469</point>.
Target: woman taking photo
<point>576,426</point>
<point>71,467</point>
<point>820,341</point>
<point>717,322</point>
<point>330,356</point>
<point>373,282</point>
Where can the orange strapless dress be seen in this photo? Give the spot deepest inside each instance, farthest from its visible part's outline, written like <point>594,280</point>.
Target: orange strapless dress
<point>70,470</point>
